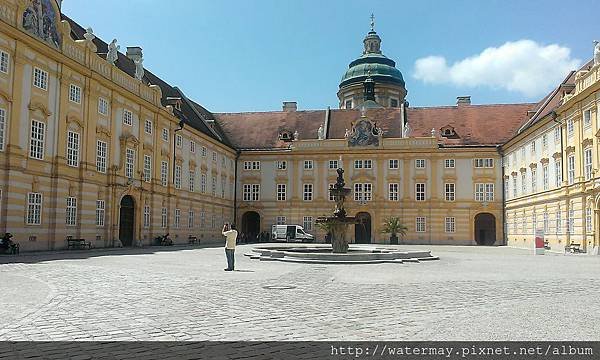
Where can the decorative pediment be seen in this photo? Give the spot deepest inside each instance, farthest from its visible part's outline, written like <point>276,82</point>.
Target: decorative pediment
<point>147,147</point>
<point>73,120</point>
<point>129,139</point>
<point>364,132</point>
<point>506,177</point>
<point>178,159</point>
<point>281,179</point>
<point>587,142</point>
<point>545,161</point>
<point>570,149</point>
<point>164,151</point>
<point>37,106</point>
<point>192,164</point>
<point>514,173</point>
<point>533,166</point>
<point>556,156</point>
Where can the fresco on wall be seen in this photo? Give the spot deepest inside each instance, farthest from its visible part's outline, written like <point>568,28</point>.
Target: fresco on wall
<point>40,19</point>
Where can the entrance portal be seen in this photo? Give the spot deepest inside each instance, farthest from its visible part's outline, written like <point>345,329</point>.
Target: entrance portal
<point>485,229</point>
<point>126,220</point>
<point>362,229</point>
<point>251,225</point>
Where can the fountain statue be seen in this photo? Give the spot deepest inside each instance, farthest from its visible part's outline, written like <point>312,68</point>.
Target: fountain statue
<point>339,221</point>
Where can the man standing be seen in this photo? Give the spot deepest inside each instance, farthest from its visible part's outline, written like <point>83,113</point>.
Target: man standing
<point>230,237</point>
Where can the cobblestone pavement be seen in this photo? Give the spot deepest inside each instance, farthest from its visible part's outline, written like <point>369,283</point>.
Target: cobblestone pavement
<point>472,293</point>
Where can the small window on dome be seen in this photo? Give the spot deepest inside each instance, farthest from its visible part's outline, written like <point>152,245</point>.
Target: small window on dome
<point>348,104</point>
<point>393,102</point>
<point>448,132</point>
<point>285,136</point>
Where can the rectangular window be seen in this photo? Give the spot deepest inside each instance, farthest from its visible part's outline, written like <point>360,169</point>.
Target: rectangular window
<point>127,117</point>
<point>450,191</point>
<point>489,192</point>
<point>559,222</point>
<point>546,222</point>
<point>191,180</point>
<point>202,219</point>
<point>280,220</point>
<point>479,192</point>
<point>129,162</point>
<point>421,225</point>
<point>4,61</point>
<point>533,147</point>
<point>2,128</point>
<point>545,176</point>
<point>587,118</point>
<point>544,141</point>
<point>420,191</point>
<point>101,156</point>
<point>223,188</point>
<point>450,224</point>
<point>178,140</point>
<point>557,135</point>
<point>281,165</point>
<point>102,106</point>
<point>485,163</point>
<point>587,155</point>
<point>558,173</point>
<point>40,78</point>
<point>449,163</point>
<point>147,218</point>
<point>348,104</point>
<point>164,216</point>
<point>589,226</point>
<point>420,163</point>
<point>281,192</point>
<point>177,218</point>
<point>368,164</point>
<point>393,163</point>
<point>72,149</point>
<point>71,218</point>
<point>307,192</point>
<point>251,192</point>
<point>148,126</point>
<point>36,144</point>
<point>165,135</point>
<point>393,103</point>
<point>177,176</point>
<point>308,164</point>
<point>571,221</point>
<point>506,189</point>
<point>100,212</point>
<point>204,151</point>
<point>203,183</point>
<point>34,209</point>
<point>358,192</point>
<point>393,192</point>
<point>523,183</point>
<point>191,219</point>
<point>533,180</point>
<point>251,165</point>
<point>571,169</point>
<point>164,173</point>
<point>570,128</point>
<point>358,164</point>
<point>214,187</point>
<point>484,192</point>
<point>307,223</point>
<point>363,192</point>
<point>147,168</point>
<point>514,186</point>
<point>75,94</point>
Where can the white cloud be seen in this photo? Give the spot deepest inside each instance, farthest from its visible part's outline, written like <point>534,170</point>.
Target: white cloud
<point>522,66</point>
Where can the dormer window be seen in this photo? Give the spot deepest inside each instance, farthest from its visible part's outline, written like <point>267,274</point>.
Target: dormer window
<point>448,132</point>
<point>286,136</point>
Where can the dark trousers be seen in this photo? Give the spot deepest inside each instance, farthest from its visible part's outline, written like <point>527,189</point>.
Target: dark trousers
<point>230,254</point>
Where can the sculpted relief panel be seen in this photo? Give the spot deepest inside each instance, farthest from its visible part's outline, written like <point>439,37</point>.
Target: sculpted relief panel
<point>40,19</point>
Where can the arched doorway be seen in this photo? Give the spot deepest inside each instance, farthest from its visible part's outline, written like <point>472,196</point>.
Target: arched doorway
<point>485,229</point>
<point>126,220</point>
<point>251,225</point>
<point>362,228</point>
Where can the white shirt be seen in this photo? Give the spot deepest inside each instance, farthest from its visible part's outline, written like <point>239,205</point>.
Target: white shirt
<point>230,238</point>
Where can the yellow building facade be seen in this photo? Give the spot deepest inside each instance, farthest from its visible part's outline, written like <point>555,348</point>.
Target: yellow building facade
<point>86,150</point>
<point>551,168</point>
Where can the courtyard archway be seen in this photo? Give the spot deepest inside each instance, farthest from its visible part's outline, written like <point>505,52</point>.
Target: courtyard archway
<point>126,220</point>
<point>251,225</point>
<point>362,228</point>
<point>485,229</point>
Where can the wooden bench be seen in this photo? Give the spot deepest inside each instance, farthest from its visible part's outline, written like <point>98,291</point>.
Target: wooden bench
<point>78,244</point>
<point>193,240</point>
<point>573,248</point>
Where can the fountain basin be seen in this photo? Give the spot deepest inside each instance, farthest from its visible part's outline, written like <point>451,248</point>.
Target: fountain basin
<point>323,254</point>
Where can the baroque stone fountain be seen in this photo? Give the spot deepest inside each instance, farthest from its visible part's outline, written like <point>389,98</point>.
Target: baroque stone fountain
<point>339,252</point>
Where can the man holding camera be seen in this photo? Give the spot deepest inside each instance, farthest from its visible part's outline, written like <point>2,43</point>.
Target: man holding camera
<point>230,234</point>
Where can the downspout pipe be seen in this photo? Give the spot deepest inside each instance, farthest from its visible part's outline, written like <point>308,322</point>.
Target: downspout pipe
<point>174,144</point>
<point>502,183</point>
<point>235,181</point>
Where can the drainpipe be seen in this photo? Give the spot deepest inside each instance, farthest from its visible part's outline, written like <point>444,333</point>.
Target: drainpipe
<point>502,183</point>
<point>562,162</point>
<point>174,144</point>
<point>235,177</point>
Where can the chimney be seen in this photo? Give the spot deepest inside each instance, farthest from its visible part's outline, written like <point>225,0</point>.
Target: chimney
<point>463,100</point>
<point>290,106</point>
<point>134,52</point>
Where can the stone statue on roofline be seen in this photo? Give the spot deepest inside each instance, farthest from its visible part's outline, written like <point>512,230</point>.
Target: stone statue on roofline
<point>296,135</point>
<point>113,52</point>
<point>321,132</point>
<point>406,131</point>
<point>89,34</point>
<point>139,68</point>
<point>432,132</point>
<point>596,52</point>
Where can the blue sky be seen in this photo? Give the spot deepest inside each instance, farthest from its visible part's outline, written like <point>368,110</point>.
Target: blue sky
<point>236,56</point>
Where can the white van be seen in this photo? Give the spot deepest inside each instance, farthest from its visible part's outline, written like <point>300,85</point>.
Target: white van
<point>290,233</point>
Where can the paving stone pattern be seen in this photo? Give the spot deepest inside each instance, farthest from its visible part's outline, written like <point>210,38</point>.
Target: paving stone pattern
<point>472,293</point>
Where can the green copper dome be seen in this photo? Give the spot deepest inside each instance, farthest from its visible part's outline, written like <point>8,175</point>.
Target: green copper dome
<point>372,63</point>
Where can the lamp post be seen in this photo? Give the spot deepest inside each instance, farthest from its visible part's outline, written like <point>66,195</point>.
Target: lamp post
<point>181,123</point>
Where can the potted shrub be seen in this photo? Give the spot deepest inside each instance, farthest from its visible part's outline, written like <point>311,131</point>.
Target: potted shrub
<point>394,227</point>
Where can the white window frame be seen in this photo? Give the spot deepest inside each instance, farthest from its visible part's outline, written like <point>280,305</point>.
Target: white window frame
<point>533,180</point>
<point>191,216</point>
<point>203,183</point>
<point>37,139</point>
<point>487,163</point>
<point>73,145</point>
<point>450,224</point>
<point>192,180</point>
<point>393,164</point>
<point>2,128</point>
<point>147,168</point>
<point>71,212</point>
<point>129,163</point>
<point>450,191</point>
<point>420,192</point>
<point>34,208</point>
<point>589,225</point>
<point>147,216</point>
<point>587,118</point>
<point>420,224</point>
<point>177,176</point>
<point>307,192</point>
<point>570,127</point>
<point>557,135</point>
<point>308,165</point>
<point>420,163</point>
<point>148,126</point>
<point>101,156</point>
<point>307,223</point>
<point>40,78</point>
<point>571,169</point>
<point>178,140</point>
<point>164,218</point>
<point>177,219</point>
<point>449,163</point>
<point>558,172</point>
<point>127,117</point>
<point>164,173</point>
<point>281,165</point>
<point>281,192</point>
<point>75,93</point>
<point>165,134</point>
<point>545,177</point>
<point>100,212</point>
<point>280,220</point>
<point>393,191</point>
<point>588,161</point>
<point>102,106</point>
<point>368,164</point>
<point>192,146</point>
<point>4,62</point>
